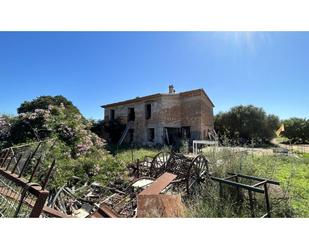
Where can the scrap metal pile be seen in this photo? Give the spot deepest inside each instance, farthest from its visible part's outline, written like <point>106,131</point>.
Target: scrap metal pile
<point>120,198</point>
<point>166,172</point>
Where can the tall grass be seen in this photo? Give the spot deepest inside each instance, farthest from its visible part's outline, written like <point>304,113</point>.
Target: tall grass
<point>130,155</point>
<point>291,199</point>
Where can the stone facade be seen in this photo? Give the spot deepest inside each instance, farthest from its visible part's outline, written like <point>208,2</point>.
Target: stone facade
<point>160,118</point>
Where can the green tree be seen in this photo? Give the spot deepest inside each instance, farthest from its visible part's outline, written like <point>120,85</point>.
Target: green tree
<point>297,130</point>
<point>43,102</point>
<point>247,123</point>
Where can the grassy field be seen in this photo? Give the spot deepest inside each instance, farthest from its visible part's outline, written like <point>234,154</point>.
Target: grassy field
<point>293,175</point>
<point>291,200</point>
<point>132,155</point>
<point>306,155</point>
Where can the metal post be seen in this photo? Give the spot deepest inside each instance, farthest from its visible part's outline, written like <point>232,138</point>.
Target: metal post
<point>239,199</point>
<point>251,204</point>
<point>48,174</point>
<point>267,200</point>
<point>5,158</point>
<point>9,163</point>
<point>16,164</point>
<point>39,204</point>
<point>237,187</point>
<point>221,197</point>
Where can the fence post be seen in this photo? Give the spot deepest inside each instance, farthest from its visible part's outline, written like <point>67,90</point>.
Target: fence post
<point>267,200</point>
<point>251,204</point>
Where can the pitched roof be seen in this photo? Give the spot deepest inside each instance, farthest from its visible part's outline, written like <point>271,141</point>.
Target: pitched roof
<point>155,96</point>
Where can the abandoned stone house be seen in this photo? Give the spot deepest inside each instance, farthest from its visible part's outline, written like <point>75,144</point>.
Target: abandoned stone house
<point>164,117</point>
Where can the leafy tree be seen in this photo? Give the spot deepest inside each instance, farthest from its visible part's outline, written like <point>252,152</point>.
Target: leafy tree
<point>297,130</point>
<point>43,102</point>
<point>246,123</point>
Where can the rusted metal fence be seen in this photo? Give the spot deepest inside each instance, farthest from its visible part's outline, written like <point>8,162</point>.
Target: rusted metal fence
<point>19,195</point>
<point>172,172</point>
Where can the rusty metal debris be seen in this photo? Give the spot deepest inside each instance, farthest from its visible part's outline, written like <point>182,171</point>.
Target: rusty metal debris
<point>234,181</point>
<point>159,184</point>
<point>98,201</point>
<point>162,205</point>
<point>157,187</point>
<point>191,171</point>
<point>151,203</point>
<point>19,196</point>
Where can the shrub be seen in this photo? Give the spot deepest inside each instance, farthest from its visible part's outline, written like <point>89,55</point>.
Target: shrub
<point>68,138</point>
<point>297,130</point>
<point>288,200</point>
<point>247,123</point>
<point>110,130</point>
<point>5,129</point>
<point>43,102</point>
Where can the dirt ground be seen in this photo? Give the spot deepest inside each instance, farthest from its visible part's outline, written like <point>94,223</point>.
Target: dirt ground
<point>256,151</point>
<point>277,148</point>
<point>302,148</point>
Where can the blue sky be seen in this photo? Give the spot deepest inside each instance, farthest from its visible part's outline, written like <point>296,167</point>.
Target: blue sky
<point>269,70</point>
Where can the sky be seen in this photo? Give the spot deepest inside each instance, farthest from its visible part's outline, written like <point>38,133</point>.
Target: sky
<point>265,69</point>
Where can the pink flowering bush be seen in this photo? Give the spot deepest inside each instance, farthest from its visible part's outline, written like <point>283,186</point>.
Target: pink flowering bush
<point>78,151</point>
<point>5,127</point>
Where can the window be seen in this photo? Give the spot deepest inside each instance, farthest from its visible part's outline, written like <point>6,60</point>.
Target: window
<point>112,114</point>
<point>148,111</point>
<point>151,134</point>
<point>131,114</point>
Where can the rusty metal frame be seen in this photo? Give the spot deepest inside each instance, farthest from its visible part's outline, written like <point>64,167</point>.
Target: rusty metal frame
<point>20,197</point>
<point>40,195</point>
<point>251,189</point>
<point>184,167</point>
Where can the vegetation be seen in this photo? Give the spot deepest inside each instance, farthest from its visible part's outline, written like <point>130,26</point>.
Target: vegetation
<point>247,123</point>
<point>44,101</point>
<point>68,138</point>
<point>290,200</point>
<point>112,128</point>
<point>297,130</point>
<point>130,155</point>
<point>5,127</point>
<point>80,151</point>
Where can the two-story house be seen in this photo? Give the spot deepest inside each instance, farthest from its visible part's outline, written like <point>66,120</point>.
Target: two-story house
<point>164,117</point>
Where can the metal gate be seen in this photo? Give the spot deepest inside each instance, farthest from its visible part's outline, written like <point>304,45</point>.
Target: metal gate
<point>19,195</point>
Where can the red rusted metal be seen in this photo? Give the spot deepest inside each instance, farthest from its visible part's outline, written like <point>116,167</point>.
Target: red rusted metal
<point>54,213</point>
<point>104,211</point>
<point>29,202</point>
<point>155,206</point>
<point>159,184</point>
<point>39,196</point>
